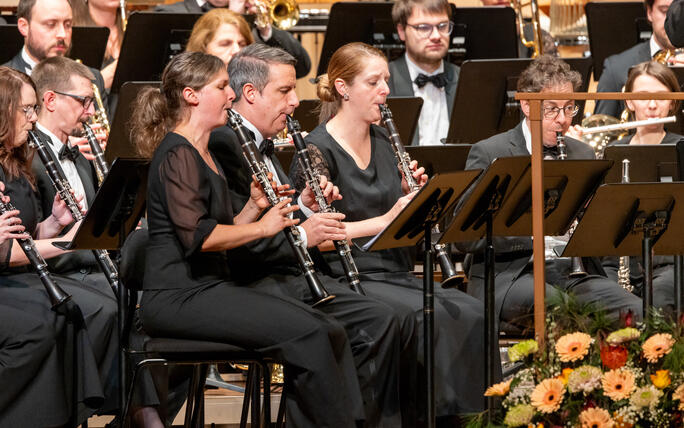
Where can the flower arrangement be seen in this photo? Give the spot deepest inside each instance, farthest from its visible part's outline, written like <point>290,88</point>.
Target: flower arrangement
<point>592,374</point>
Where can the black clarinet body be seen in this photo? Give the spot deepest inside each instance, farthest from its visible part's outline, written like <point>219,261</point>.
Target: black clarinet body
<point>450,275</point>
<point>259,169</point>
<point>63,188</point>
<point>100,164</point>
<point>351,272</point>
<point>57,296</point>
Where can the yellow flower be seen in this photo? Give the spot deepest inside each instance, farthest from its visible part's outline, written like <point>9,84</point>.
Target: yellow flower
<point>661,379</point>
<point>499,389</point>
<point>679,395</point>
<point>618,384</point>
<point>596,417</point>
<point>565,375</point>
<point>656,346</point>
<point>573,346</point>
<point>621,422</point>
<point>548,395</point>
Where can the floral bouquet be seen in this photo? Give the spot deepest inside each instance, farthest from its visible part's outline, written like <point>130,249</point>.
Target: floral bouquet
<point>594,375</point>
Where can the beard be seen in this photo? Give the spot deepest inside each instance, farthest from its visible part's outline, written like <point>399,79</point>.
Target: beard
<point>42,52</point>
<point>432,57</point>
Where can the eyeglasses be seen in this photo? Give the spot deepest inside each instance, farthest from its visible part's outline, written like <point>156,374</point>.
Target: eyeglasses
<point>424,30</point>
<point>552,112</point>
<point>86,102</point>
<point>29,110</point>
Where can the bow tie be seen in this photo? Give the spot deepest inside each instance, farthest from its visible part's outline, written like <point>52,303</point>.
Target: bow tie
<point>206,7</point>
<point>439,80</point>
<point>267,148</point>
<point>68,152</point>
<point>550,152</point>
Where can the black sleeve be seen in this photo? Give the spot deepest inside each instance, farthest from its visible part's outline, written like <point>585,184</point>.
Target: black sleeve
<point>5,253</point>
<point>286,41</point>
<point>318,163</point>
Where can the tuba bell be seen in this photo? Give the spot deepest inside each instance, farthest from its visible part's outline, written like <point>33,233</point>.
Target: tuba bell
<point>284,14</point>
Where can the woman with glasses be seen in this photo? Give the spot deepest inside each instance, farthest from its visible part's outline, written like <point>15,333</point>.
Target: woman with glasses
<point>355,154</point>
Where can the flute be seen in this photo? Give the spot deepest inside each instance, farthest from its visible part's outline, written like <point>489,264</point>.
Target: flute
<point>629,125</point>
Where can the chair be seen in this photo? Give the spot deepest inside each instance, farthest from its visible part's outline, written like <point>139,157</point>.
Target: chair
<point>196,353</point>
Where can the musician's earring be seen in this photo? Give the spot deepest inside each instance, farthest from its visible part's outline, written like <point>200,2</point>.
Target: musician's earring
<point>346,97</point>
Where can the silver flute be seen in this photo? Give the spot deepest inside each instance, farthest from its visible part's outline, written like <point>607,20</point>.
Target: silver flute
<point>450,275</point>
<point>63,188</point>
<point>351,272</point>
<point>260,171</point>
<point>100,164</point>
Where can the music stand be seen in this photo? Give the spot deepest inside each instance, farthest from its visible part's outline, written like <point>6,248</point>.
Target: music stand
<point>119,144</point>
<point>612,29</point>
<point>88,44</point>
<point>415,222</point>
<point>647,163</point>
<point>440,159</point>
<point>150,41</point>
<point>478,32</point>
<point>488,87</point>
<point>679,259</point>
<point>632,219</point>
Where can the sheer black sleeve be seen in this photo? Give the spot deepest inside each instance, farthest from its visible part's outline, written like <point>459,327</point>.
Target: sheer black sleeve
<point>187,196</point>
<point>318,162</point>
<point>5,252</point>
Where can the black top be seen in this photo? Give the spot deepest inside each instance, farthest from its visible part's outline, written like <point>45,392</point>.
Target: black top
<point>367,193</point>
<point>185,201</point>
<point>669,138</point>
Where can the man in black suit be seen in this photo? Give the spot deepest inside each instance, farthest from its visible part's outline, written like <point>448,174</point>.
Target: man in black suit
<point>514,280</point>
<point>424,26</point>
<point>616,67</point>
<point>268,34</point>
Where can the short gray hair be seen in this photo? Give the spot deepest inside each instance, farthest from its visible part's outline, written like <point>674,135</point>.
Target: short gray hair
<point>250,65</point>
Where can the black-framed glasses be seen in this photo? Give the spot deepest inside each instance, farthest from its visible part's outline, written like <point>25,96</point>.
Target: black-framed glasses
<point>553,112</point>
<point>29,110</point>
<point>424,30</point>
<point>86,102</point>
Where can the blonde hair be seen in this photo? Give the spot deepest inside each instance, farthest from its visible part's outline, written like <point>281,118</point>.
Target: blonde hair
<point>346,63</point>
<point>205,28</point>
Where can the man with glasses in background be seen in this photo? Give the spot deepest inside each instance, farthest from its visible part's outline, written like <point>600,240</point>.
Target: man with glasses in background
<point>514,293</point>
<point>424,26</point>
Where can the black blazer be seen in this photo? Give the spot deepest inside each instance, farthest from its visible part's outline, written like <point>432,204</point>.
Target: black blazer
<point>669,138</point>
<point>614,76</point>
<point>78,259</point>
<point>400,84</point>
<point>19,64</point>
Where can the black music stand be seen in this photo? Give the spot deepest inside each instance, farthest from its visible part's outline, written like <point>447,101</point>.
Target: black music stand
<point>632,219</point>
<point>647,163</point>
<point>478,33</point>
<point>488,87</point>
<point>151,40</point>
<point>118,206</point>
<point>440,159</point>
<point>87,44</point>
<point>415,222</point>
<point>500,204</point>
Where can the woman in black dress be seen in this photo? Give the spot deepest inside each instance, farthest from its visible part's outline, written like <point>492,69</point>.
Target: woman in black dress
<point>355,154</point>
<point>95,345</point>
<point>188,288</point>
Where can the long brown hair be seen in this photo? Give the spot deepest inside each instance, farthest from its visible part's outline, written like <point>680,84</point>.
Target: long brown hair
<point>157,110</point>
<point>346,63</point>
<point>206,26</point>
<point>15,161</point>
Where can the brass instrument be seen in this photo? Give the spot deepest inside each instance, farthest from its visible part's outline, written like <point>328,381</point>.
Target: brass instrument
<point>536,41</point>
<point>122,9</point>
<point>623,272</point>
<point>664,55</point>
<point>284,14</point>
<point>100,116</point>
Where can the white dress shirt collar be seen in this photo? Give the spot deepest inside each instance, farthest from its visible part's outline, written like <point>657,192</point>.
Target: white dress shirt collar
<point>528,135</point>
<point>654,46</point>
<point>414,70</point>
<point>28,60</point>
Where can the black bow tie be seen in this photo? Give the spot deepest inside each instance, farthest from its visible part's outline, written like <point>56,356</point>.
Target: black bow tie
<point>439,80</point>
<point>68,152</point>
<point>550,152</point>
<point>267,148</point>
<point>206,7</point>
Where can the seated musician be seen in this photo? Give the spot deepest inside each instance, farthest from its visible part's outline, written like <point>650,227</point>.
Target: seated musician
<point>213,27</point>
<point>616,67</point>
<point>350,150</point>
<point>189,290</point>
<point>424,26</point>
<point>263,79</point>
<point>220,32</point>
<point>514,292</point>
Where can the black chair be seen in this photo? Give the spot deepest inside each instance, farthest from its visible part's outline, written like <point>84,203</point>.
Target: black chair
<point>197,353</point>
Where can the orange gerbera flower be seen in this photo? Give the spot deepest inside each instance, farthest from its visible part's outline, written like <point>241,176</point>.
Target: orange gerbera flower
<point>618,384</point>
<point>679,395</point>
<point>573,346</point>
<point>499,389</point>
<point>656,346</point>
<point>596,417</point>
<point>547,396</point>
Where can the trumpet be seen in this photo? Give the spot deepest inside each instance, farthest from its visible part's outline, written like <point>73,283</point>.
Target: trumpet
<point>284,14</point>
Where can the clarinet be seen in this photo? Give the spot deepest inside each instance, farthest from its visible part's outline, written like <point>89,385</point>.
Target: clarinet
<point>576,266</point>
<point>342,247</point>
<point>63,188</point>
<point>100,164</point>
<point>57,296</point>
<point>453,277</point>
<point>260,170</point>
<point>623,273</point>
